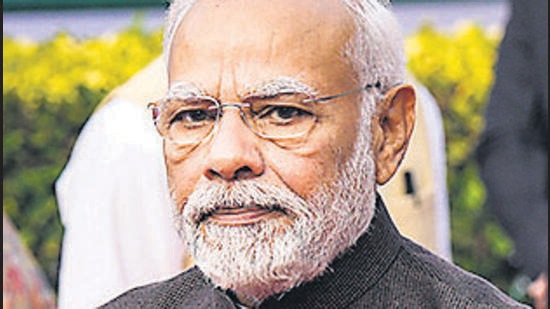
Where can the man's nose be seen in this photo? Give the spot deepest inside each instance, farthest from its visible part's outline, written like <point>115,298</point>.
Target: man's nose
<point>234,152</point>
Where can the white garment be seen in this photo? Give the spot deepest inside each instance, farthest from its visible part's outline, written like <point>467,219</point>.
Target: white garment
<point>436,133</point>
<point>114,204</point>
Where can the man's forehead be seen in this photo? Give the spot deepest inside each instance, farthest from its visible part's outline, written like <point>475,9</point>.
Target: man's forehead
<point>233,39</point>
<point>238,21</point>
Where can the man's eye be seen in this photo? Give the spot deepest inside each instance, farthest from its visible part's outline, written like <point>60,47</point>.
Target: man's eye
<point>282,114</point>
<point>193,117</point>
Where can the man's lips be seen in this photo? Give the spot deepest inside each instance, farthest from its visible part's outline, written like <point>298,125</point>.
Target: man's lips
<point>242,216</point>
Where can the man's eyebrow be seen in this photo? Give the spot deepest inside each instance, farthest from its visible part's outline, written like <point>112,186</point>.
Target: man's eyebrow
<point>281,85</point>
<point>184,89</point>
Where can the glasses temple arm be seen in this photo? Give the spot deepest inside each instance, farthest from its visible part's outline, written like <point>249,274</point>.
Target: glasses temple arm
<point>336,96</point>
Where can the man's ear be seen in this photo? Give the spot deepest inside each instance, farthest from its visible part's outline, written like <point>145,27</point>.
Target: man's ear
<point>392,127</point>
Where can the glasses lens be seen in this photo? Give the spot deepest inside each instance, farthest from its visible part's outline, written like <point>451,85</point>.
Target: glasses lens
<point>281,116</point>
<point>189,120</point>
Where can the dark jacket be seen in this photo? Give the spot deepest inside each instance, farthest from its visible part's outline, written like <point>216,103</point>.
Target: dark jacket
<point>513,151</point>
<point>383,270</point>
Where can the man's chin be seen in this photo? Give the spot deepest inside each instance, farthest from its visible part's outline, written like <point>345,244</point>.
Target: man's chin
<point>255,260</point>
<point>258,286</point>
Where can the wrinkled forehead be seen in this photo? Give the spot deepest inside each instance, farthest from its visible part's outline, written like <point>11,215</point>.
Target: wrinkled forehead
<point>302,30</point>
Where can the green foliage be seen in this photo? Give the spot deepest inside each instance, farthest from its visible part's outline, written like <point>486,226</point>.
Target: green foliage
<point>457,68</point>
<point>51,88</point>
<point>49,91</point>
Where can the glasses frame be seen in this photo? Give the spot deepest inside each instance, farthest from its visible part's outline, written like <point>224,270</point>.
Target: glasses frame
<point>155,110</point>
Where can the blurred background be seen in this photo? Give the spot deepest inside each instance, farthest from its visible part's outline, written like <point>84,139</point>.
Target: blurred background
<point>61,57</point>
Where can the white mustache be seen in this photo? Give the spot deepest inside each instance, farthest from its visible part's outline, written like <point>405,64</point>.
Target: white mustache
<point>206,199</point>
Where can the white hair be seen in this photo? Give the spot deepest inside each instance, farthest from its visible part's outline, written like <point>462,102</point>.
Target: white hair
<point>376,51</point>
<point>174,15</point>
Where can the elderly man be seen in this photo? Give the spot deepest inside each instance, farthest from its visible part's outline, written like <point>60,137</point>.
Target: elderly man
<point>281,118</point>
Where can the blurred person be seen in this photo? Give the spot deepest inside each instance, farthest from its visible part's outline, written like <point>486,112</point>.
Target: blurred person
<point>513,151</point>
<point>280,120</point>
<point>24,284</point>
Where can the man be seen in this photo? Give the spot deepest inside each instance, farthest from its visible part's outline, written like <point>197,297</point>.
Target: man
<point>281,118</point>
<point>107,197</point>
<point>513,151</point>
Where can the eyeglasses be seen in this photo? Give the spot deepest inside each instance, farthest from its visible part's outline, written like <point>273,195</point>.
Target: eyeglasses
<point>188,121</point>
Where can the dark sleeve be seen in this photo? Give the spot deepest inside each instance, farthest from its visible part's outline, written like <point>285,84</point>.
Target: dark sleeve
<point>513,150</point>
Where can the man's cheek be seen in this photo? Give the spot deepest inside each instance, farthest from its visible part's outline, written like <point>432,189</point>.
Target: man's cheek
<point>180,184</point>
<point>306,178</point>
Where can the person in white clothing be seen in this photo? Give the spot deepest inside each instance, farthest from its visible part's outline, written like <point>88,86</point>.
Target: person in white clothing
<point>114,202</point>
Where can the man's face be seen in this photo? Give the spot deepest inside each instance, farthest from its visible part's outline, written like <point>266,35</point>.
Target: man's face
<point>261,215</point>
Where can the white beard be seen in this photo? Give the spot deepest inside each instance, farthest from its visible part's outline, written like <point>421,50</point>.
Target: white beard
<point>270,256</point>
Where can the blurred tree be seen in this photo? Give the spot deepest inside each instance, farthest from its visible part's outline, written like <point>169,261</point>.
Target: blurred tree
<point>49,91</point>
